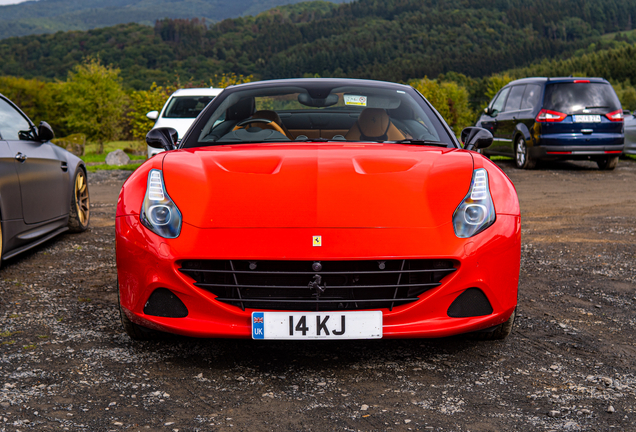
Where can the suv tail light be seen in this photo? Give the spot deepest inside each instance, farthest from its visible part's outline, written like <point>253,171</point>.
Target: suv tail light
<point>616,116</point>
<point>547,116</point>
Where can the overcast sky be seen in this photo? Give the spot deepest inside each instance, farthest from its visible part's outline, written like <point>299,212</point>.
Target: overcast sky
<point>6,2</point>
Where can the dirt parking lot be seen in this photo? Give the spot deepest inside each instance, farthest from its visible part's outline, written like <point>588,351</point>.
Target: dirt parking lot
<point>65,363</point>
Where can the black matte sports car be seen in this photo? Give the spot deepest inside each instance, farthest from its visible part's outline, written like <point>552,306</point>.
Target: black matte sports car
<point>43,188</point>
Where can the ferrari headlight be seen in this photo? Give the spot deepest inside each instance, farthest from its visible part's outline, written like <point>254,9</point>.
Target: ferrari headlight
<point>476,212</point>
<point>158,212</point>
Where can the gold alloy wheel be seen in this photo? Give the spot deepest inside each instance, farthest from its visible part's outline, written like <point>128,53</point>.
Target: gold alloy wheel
<point>81,197</point>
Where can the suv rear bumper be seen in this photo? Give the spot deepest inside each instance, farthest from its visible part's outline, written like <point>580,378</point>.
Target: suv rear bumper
<point>575,152</point>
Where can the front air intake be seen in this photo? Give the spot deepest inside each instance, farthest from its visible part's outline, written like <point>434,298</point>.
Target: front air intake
<point>471,303</point>
<point>163,303</point>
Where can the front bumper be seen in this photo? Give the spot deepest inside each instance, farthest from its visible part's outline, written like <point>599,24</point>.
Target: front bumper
<point>489,261</point>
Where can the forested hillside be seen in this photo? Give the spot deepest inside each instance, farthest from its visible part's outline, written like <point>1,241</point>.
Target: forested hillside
<point>48,16</point>
<point>393,40</point>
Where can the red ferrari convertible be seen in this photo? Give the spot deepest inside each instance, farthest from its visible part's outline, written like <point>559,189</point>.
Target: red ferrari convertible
<point>318,209</point>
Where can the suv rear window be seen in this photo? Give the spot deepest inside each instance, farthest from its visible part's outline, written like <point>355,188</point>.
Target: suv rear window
<point>570,98</point>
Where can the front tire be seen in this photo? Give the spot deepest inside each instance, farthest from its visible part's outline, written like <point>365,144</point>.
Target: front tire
<point>523,160</point>
<point>607,164</point>
<point>500,332</point>
<point>134,331</point>
<point>79,213</point>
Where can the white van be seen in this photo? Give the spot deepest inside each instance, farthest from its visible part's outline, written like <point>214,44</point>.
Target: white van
<point>181,110</point>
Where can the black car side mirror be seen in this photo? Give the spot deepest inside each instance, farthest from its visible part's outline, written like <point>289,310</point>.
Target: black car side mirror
<point>45,132</point>
<point>163,138</point>
<point>475,138</point>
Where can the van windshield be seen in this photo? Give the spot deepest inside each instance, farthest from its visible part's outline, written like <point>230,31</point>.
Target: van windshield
<point>571,98</point>
<point>186,107</point>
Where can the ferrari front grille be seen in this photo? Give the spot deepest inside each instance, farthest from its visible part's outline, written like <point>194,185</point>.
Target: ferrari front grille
<point>317,285</point>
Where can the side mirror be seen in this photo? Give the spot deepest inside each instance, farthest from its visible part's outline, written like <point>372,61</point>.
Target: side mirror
<point>45,132</point>
<point>153,115</point>
<point>627,112</point>
<point>475,138</point>
<point>162,138</point>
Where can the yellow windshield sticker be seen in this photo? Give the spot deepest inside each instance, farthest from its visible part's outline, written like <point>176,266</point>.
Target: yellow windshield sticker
<point>355,100</point>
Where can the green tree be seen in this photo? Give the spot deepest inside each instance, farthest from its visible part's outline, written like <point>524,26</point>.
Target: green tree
<point>225,80</point>
<point>496,83</point>
<point>38,99</point>
<point>95,102</point>
<point>450,99</point>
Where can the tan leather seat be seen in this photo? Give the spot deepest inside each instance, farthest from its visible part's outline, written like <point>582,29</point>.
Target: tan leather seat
<point>276,123</point>
<point>374,124</point>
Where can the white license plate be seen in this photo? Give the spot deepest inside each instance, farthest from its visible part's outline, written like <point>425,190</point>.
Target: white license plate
<point>587,119</point>
<point>317,325</point>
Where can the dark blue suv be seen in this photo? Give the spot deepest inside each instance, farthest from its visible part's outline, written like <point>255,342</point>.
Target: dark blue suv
<point>556,118</point>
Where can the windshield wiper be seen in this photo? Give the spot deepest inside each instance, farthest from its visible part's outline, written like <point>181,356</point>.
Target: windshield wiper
<point>420,142</point>
<point>318,140</point>
<point>591,107</point>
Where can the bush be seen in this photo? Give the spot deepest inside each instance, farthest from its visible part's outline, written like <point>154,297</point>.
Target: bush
<point>142,102</point>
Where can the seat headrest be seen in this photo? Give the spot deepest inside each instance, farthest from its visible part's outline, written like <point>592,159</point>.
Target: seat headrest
<point>373,122</point>
<point>240,110</point>
<point>268,115</point>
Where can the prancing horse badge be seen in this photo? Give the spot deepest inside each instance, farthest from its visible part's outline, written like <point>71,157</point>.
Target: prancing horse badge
<point>317,241</point>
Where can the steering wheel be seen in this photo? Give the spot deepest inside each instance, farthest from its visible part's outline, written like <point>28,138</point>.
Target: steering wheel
<point>272,124</point>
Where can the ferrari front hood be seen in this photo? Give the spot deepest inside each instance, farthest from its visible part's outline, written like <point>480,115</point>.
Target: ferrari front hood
<point>317,185</point>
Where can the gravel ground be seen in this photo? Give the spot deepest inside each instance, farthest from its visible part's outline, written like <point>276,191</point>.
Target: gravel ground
<point>65,363</point>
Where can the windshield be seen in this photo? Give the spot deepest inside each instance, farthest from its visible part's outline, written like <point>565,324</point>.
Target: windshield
<point>315,111</point>
<point>571,98</point>
<point>186,107</point>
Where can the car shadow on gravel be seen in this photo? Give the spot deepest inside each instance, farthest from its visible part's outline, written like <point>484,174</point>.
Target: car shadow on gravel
<point>279,356</point>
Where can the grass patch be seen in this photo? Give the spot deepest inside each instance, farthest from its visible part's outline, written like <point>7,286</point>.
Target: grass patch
<point>500,158</point>
<point>84,300</point>
<point>91,156</point>
<point>129,167</point>
<point>102,157</point>
<point>6,334</point>
<point>11,342</point>
<point>91,148</point>
<point>632,157</point>
<point>29,347</point>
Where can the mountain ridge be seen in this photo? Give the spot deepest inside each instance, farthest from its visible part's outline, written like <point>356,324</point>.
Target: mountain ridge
<point>391,40</point>
<point>49,16</point>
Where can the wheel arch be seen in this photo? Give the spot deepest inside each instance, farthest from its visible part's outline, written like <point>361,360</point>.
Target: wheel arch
<point>80,165</point>
<point>523,131</point>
